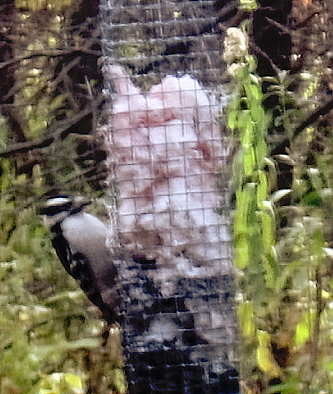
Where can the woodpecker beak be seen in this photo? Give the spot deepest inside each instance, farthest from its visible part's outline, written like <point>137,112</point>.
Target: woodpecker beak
<point>80,202</point>
<point>42,211</point>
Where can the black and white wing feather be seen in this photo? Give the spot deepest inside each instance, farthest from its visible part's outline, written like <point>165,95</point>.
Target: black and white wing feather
<point>79,240</point>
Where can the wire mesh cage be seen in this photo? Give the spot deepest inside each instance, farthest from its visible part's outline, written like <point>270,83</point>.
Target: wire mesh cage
<point>163,37</point>
<point>168,171</point>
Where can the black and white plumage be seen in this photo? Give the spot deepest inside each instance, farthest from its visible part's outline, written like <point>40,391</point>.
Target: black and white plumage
<point>80,239</point>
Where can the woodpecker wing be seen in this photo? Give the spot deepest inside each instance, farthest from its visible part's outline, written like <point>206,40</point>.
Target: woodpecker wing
<point>62,248</point>
<point>79,267</point>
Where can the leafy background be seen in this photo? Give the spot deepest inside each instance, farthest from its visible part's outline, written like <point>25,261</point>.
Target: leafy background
<point>283,200</point>
<point>50,336</point>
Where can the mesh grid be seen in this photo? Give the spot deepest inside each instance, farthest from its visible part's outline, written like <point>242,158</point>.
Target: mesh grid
<point>163,37</point>
<point>162,60</point>
<point>167,151</point>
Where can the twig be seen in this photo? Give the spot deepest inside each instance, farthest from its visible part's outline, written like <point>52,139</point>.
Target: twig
<point>305,21</point>
<point>313,117</point>
<point>266,56</point>
<point>283,28</point>
<point>53,133</point>
<point>52,53</point>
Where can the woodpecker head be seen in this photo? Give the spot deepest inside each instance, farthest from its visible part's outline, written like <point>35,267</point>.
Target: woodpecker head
<point>57,208</point>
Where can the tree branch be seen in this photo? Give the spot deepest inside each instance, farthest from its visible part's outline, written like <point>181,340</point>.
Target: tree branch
<point>53,133</point>
<point>50,53</point>
<point>311,119</point>
<point>314,116</point>
<point>259,51</point>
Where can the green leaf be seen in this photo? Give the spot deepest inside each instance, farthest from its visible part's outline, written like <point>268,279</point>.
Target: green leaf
<point>232,119</point>
<point>270,267</point>
<point>60,383</point>
<point>249,160</point>
<point>258,114</point>
<point>265,359</point>
<point>279,194</point>
<point>285,159</point>
<point>119,380</point>
<point>254,94</point>
<point>249,5</point>
<point>267,228</point>
<point>242,254</point>
<point>262,188</point>
<point>261,152</point>
<point>246,317</point>
<point>58,102</point>
<point>304,329</point>
<point>245,126</point>
<point>74,381</point>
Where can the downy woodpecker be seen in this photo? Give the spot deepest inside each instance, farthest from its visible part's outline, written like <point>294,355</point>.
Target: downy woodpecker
<point>80,242</point>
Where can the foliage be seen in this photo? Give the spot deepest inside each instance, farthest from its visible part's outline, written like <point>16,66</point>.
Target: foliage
<point>50,334</point>
<point>282,236</point>
<point>36,5</point>
<point>45,318</point>
<point>52,94</point>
